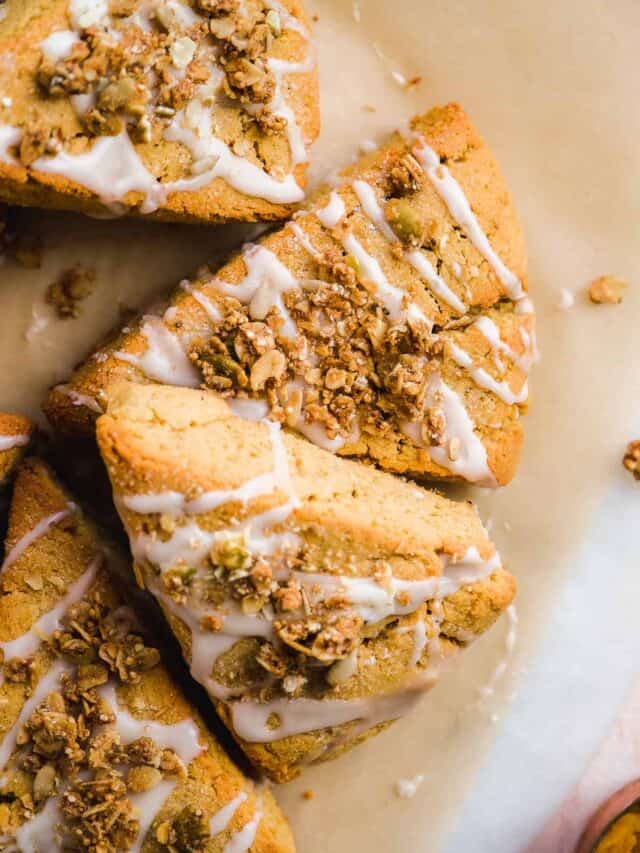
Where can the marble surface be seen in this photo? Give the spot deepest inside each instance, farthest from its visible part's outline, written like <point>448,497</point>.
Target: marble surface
<point>553,86</point>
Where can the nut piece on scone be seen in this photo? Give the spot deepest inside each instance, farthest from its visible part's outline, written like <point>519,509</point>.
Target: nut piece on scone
<point>99,748</point>
<point>607,290</point>
<point>387,322</point>
<point>15,435</point>
<point>315,598</point>
<point>184,110</point>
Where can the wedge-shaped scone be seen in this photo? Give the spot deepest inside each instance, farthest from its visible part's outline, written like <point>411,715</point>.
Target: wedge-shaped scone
<point>99,749</point>
<point>193,110</point>
<point>15,435</point>
<point>387,322</point>
<point>315,598</point>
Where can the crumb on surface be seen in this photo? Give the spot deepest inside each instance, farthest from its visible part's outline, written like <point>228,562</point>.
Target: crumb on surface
<point>631,459</point>
<point>71,287</point>
<point>307,794</point>
<point>607,290</point>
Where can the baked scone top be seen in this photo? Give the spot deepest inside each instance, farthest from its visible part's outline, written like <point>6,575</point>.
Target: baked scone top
<point>99,750</point>
<point>387,321</point>
<point>15,435</point>
<point>305,589</point>
<point>198,109</point>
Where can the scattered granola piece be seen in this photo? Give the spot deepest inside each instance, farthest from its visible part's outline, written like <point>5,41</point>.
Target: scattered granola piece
<point>631,460</point>
<point>307,794</point>
<point>607,290</point>
<point>70,288</point>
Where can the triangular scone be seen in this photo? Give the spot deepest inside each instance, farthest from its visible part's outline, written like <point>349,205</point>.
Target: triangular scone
<point>98,746</point>
<point>388,322</point>
<point>315,598</point>
<point>15,435</point>
<point>188,110</point>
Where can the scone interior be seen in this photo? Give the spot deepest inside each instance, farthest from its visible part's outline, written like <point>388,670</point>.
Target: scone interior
<point>315,598</point>
<point>388,322</point>
<point>15,434</point>
<point>99,750</point>
<point>195,110</point>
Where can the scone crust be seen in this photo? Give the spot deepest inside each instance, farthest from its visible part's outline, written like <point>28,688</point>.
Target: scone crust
<point>21,32</point>
<point>496,414</point>
<point>33,584</point>
<point>159,440</point>
<point>14,428</point>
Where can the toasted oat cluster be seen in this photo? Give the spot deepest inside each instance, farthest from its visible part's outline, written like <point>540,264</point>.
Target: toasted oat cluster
<point>195,109</point>
<point>388,321</point>
<point>314,598</point>
<point>99,751</point>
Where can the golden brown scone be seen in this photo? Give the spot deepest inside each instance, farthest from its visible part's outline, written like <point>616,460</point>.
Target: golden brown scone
<point>15,435</point>
<point>315,598</point>
<point>185,111</point>
<point>96,740</point>
<point>388,322</point>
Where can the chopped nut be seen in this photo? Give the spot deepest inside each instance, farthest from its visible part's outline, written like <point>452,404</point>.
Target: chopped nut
<point>143,778</point>
<point>70,289</point>
<point>271,365</point>
<point>405,222</point>
<point>631,460</point>
<point>608,289</point>
<point>44,783</point>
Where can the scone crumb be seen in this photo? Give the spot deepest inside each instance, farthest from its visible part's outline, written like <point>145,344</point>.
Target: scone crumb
<point>631,460</point>
<point>607,290</point>
<point>71,287</point>
<point>307,794</point>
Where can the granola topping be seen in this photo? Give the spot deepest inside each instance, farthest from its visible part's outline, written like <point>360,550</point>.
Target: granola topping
<point>631,459</point>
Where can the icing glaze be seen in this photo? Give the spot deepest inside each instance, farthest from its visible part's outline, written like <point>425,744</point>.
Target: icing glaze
<point>47,684</point>
<point>484,380</point>
<point>58,45</point>
<point>25,645</point>
<point>223,817</point>
<point>78,399</point>
<point>35,533</point>
<point>458,205</point>
<point>333,212</point>
<point>241,841</point>
<point>40,833</point>
<point>164,359</point>
<point>8,442</point>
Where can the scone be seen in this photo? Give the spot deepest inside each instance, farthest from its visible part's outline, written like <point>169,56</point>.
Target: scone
<point>15,435</point>
<point>99,749</point>
<point>315,598</point>
<point>388,322</point>
<point>187,110</point>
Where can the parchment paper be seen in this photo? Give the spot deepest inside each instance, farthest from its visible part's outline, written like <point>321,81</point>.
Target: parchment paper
<point>554,87</point>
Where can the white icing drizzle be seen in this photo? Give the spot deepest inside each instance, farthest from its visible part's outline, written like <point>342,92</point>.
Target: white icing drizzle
<point>164,359</point>
<point>471,460</point>
<point>58,45</point>
<point>211,310</point>
<point>223,817</point>
<point>111,168</point>
<point>241,841</point>
<point>174,503</point>
<point>47,684</point>
<point>78,399</point>
<point>484,380</point>
<point>250,410</point>
<point>41,832</point>
<point>420,640</point>
<point>88,13</point>
<point>299,716</point>
<point>456,201</point>
<point>25,645</point>
<point>8,442</point>
<point>261,289</point>
<point>333,213</point>
<point>418,260</point>
<point>182,737</point>
<point>509,648</point>
<point>35,533</point>
<point>9,136</point>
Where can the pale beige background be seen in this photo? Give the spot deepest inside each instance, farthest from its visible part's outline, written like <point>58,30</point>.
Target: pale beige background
<point>554,86</point>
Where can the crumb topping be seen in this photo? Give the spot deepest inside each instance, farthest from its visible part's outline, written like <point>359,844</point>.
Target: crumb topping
<point>134,75</point>
<point>68,748</point>
<point>607,290</point>
<point>70,289</point>
<point>631,459</point>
